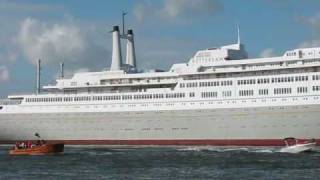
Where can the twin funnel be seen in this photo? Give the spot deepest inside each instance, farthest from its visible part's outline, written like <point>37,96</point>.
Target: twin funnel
<point>131,54</point>
<point>116,63</point>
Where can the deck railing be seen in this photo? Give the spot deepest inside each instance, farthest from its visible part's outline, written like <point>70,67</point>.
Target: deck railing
<point>10,102</point>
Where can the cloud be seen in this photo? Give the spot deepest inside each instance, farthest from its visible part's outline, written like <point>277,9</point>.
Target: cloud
<point>61,42</point>
<point>190,8</point>
<point>23,7</point>
<point>155,54</point>
<point>177,9</point>
<point>8,55</point>
<point>142,10</point>
<point>4,74</point>
<point>312,22</point>
<point>267,53</point>
<point>49,43</point>
<point>310,43</point>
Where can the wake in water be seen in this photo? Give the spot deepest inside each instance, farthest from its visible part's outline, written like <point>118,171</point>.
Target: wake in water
<point>236,149</point>
<point>108,151</point>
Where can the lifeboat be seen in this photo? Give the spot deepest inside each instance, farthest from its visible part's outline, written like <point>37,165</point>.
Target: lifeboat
<point>41,147</point>
<point>38,150</point>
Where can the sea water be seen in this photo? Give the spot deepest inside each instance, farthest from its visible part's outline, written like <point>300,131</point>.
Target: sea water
<point>80,162</point>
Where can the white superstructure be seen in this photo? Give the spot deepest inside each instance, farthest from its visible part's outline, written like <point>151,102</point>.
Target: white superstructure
<point>219,97</point>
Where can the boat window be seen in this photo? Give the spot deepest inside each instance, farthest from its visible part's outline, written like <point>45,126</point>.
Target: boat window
<point>1,107</point>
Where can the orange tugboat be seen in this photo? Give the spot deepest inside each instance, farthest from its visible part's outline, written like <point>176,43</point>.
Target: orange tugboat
<point>40,148</point>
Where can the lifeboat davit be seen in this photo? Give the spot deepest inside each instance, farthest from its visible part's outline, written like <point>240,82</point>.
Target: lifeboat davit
<point>38,150</point>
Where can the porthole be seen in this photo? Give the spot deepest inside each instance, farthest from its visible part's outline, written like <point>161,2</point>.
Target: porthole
<point>1,107</point>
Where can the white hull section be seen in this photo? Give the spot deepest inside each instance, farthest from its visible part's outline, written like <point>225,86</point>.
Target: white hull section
<point>242,123</point>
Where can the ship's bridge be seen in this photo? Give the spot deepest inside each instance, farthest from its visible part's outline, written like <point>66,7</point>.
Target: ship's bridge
<point>211,56</point>
<point>305,53</point>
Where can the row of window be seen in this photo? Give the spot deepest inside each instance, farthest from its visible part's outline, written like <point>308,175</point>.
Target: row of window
<point>193,103</point>
<point>302,89</point>
<point>226,93</point>
<point>315,77</point>
<point>291,53</point>
<point>263,81</point>
<point>159,96</point>
<point>206,84</point>
<point>209,94</point>
<point>246,93</point>
<point>263,91</point>
<point>273,80</point>
<point>216,83</point>
<point>289,79</point>
<point>108,98</point>
<point>282,91</point>
<point>250,81</point>
<point>193,84</point>
<point>53,99</point>
<point>316,88</point>
<point>246,81</point>
<point>170,95</point>
<point>300,53</point>
<point>215,94</point>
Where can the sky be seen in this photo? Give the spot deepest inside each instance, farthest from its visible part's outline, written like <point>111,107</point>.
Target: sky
<point>76,32</point>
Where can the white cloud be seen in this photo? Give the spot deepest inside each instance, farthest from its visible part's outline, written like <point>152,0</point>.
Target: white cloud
<point>267,53</point>
<point>49,43</point>
<point>142,10</point>
<point>190,8</point>
<point>8,56</point>
<point>177,9</point>
<point>60,42</point>
<point>314,23</point>
<point>310,43</point>
<point>152,53</point>
<point>23,7</point>
<point>4,74</point>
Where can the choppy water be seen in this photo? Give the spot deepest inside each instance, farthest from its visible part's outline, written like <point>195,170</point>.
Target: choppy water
<point>162,163</point>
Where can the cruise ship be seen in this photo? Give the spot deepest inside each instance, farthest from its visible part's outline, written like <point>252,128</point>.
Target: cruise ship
<point>218,97</point>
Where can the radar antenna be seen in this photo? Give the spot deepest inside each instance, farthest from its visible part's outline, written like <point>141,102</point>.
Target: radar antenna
<point>123,30</point>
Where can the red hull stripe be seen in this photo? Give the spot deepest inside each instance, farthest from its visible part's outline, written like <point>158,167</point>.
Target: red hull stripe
<point>242,142</point>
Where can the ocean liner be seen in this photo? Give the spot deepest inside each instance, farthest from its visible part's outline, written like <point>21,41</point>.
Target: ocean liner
<point>218,97</point>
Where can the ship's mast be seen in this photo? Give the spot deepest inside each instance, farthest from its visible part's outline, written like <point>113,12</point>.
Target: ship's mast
<point>239,40</point>
<point>62,70</point>
<point>38,76</point>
